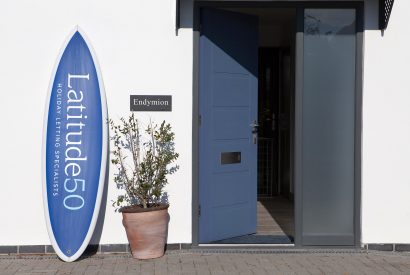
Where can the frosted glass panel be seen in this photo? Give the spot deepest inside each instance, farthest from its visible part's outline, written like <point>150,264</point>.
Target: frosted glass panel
<point>328,126</point>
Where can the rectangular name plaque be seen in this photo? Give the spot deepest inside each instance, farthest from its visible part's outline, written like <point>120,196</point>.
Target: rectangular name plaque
<point>150,103</point>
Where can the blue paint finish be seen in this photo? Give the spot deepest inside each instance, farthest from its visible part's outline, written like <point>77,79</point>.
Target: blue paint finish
<point>228,105</point>
<point>74,146</point>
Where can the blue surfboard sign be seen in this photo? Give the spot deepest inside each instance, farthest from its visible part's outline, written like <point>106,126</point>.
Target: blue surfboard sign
<point>74,148</point>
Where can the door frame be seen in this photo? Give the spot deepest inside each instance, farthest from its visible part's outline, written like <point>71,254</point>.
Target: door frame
<point>297,145</point>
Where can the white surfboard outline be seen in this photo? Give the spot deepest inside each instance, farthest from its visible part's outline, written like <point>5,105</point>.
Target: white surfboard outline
<point>103,152</point>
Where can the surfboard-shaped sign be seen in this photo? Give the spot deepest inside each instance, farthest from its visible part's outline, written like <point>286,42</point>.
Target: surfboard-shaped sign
<point>74,148</point>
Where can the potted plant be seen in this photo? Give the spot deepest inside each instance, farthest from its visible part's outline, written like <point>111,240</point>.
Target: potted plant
<point>143,160</point>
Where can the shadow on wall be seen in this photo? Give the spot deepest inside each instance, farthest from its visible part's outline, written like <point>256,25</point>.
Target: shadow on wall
<point>371,14</point>
<point>96,238</point>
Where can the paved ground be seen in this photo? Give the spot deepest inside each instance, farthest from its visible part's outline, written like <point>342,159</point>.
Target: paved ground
<point>188,262</point>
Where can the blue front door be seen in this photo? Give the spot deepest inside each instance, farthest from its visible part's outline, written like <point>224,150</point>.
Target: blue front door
<point>228,114</point>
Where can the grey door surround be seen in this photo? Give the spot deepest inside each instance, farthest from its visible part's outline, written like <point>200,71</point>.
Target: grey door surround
<point>299,6</point>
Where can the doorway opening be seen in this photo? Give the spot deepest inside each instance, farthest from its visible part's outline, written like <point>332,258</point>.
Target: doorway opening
<point>278,100</point>
<point>275,120</point>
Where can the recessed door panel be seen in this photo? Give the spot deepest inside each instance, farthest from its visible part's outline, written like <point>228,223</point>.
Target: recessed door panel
<point>228,123</point>
<point>229,181</point>
<point>234,87</point>
<point>238,217</point>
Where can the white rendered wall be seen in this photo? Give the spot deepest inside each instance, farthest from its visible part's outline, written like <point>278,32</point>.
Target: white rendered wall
<point>386,129</point>
<point>138,52</point>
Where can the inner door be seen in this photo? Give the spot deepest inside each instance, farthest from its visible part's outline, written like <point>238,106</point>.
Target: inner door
<point>227,133</point>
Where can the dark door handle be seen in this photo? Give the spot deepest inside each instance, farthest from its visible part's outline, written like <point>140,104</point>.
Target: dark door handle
<point>255,127</point>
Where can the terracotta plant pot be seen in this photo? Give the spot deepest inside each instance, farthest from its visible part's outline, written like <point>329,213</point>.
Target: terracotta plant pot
<point>146,229</point>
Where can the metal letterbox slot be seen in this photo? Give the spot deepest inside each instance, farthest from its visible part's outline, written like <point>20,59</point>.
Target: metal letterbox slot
<point>230,157</point>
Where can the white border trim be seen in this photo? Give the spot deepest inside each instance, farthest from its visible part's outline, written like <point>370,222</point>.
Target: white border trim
<point>103,151</point>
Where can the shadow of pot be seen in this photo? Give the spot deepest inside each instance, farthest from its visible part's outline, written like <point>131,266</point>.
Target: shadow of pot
<point>146,231</point>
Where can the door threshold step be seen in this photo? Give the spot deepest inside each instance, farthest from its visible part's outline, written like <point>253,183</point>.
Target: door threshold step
<point>273,249</point>
<point>235,245</point>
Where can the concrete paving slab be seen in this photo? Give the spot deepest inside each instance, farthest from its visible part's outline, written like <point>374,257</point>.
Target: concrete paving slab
<point>195,262</point>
